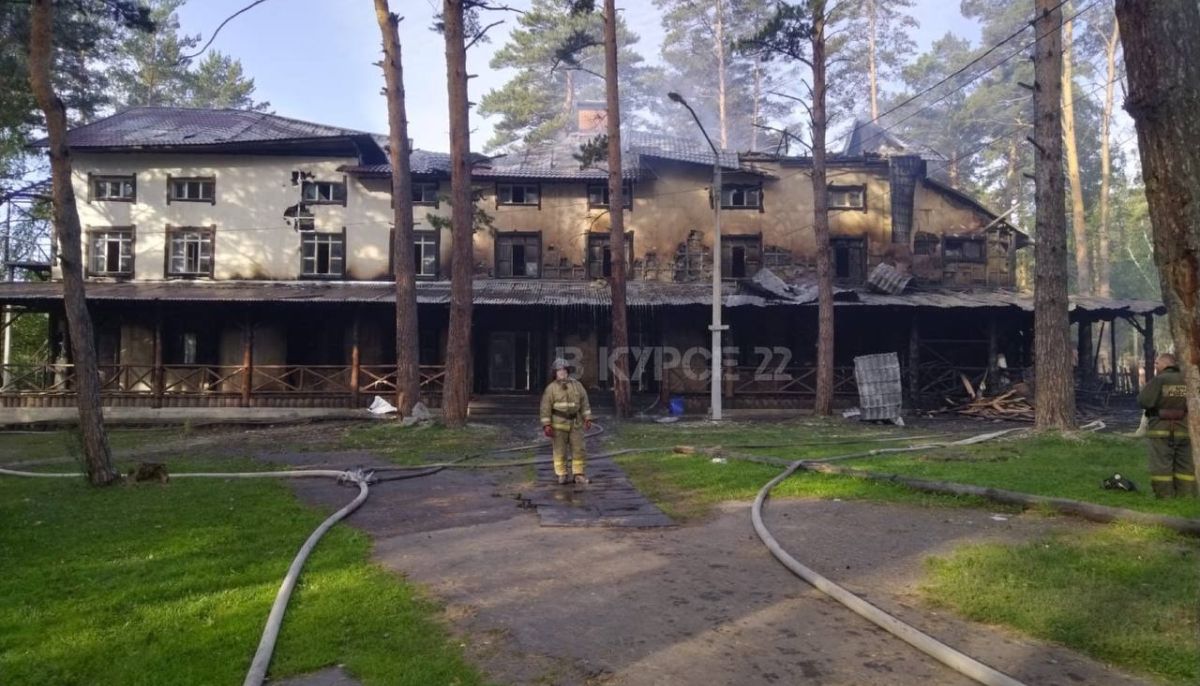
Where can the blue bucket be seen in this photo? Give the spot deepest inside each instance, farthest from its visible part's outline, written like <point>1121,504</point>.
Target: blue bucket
<point>676,405</point>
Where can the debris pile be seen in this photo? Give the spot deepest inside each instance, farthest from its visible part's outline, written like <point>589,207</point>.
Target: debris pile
<point>1015,404</point>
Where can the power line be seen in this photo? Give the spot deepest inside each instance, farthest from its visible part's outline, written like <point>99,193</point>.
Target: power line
<point>1022,49</point>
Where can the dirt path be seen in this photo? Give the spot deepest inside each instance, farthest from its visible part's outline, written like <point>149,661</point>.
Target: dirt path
<point>703,603</point>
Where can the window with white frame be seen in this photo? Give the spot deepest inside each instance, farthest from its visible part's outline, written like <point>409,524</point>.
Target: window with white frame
<point>113,188</point>
<point>425,253</point>
<point>189,251</point>
<point>324,192</point>
<point>425,193</point>
<point>111,251</point>
<point>741,197</point>
<point>518,194</point>
<point>322,255</point>
<point>847,197</point>
<point>197,189</point>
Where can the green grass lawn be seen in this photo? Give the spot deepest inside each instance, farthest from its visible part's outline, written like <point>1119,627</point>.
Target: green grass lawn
<point>43,445</point>
<point>1125,594</point>
<point>423,443</point>
<point>1068,467</point>
<point>154,584</point>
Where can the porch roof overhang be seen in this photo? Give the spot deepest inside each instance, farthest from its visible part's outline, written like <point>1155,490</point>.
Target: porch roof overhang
<point>551,293</point>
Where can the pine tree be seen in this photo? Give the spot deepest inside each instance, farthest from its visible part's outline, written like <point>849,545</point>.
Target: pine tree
<point>155,69</point>
<point>1163,60</point>
<point>881,44</point>
<point>797,33</point>
<point>730,91</point>
<point>559,57</point>
<point>219,81</point>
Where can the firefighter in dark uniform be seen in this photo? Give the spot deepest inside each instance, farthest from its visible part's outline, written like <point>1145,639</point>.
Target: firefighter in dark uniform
<point>566,415</point>
<point>1165,400</point>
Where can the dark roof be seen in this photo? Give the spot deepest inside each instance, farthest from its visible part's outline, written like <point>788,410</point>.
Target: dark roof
<point>180,126</point>
<point>868,137</point>
<point>546,292</point>
<point>423,162</point>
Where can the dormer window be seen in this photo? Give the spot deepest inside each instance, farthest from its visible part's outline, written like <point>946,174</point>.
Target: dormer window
<point>113,188</point>
<point>324,192</point>
<point>518,194</point>
<point>192,189</point>
<point>741,197</point>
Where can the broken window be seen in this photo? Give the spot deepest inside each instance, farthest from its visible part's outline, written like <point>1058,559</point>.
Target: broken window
<point>111,252</point>
<point>322,255</point>
<point>425,252</point>
<point>518,194</point>
<point>598,195</point>
<point>190,251</point>
<point>964,250</point>
<point>518,255</point>
<point>599,265</point>
<point>741,197</point>
<point>425,193</point>
<point>847,197</point>
<point>926,244</point>
<point>324,192</point>
<point>741,256</point>
<point>200,189</point>
<point>113,188</point>
<point>849,259</point>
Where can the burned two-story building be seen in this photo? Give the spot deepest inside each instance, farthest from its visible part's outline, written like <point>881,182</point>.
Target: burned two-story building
<point>240,258</point>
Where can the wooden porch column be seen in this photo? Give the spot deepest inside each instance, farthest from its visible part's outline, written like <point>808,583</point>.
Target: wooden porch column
<point>914,361</point>
<point>156,376</point>
<point>1112,352</point>
<point>1148,347</point>
<point>993,348</point>
<point>1084,350</point>
<point>247,359</point>
<point>354,359</point>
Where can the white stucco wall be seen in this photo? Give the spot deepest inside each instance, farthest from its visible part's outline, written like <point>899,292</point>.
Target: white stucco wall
<point>252,239</point>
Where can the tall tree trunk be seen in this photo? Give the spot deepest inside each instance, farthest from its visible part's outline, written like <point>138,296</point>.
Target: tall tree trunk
<point>722,68</point>
<point>1012,175</point>
<point>1054,395</point>
<point>756,109</point>
<point>619,336</point>
<point>97,457</point>
<point>1103,268</point>
<point>1162,61</point>
<point>823,404</point>
<point>1083,256</point>
<point>872,66</point>
<point>569,98</point>
<point>456,395</point>
<point>408,371</point>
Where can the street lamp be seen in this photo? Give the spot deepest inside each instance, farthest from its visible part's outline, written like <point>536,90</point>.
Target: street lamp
<point>716,327</point>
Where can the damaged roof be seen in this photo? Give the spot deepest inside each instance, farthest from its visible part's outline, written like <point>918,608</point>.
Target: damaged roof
<point>143,127</point>
<point>765,289</point>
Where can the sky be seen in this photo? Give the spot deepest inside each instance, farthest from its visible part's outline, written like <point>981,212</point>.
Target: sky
<point>314,59</point>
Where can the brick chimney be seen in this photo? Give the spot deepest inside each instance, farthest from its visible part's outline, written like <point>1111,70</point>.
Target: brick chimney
<point>591,116</point>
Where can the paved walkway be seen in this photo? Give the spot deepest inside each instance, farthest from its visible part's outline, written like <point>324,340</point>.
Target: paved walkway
<point>609,500</point>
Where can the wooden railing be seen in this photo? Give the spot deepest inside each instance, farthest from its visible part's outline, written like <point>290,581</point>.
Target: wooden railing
<point>789,381</point>
<point>228,382</point>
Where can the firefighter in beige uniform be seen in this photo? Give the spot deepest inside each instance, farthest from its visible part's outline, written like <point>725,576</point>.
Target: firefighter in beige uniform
<point>566,415</point>
<point>1165,401</point>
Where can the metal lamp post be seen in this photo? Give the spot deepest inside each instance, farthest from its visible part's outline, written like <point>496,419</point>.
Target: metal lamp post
<point>716,327</point>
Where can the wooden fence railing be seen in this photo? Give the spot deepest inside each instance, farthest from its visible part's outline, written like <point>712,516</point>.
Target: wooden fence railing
<point>227,383</point>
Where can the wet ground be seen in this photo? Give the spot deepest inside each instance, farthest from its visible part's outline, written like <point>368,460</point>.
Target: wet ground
<point>698,604</point>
